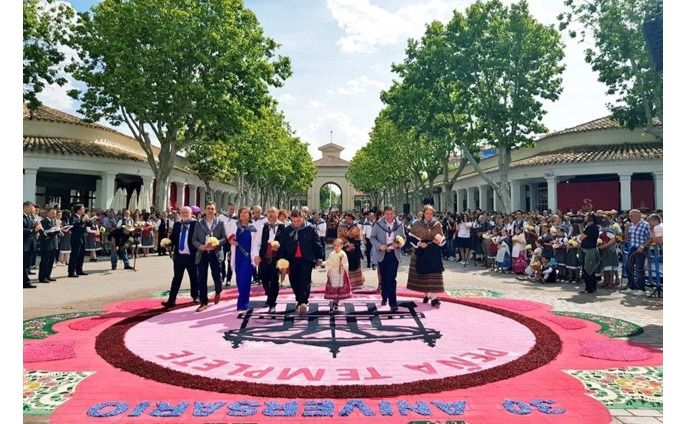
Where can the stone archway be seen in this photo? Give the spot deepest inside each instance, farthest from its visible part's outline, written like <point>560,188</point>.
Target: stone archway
<point>328,198</point>
<point>331,169</point>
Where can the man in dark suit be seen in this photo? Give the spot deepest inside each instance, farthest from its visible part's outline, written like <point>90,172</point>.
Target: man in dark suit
<point>49,243</point>
<point>271,229</point>
<point>163,229</point>
<point>75,264</point>
<point>301,246</point>
<point>229,219</point>
<point>184,256</point>
<point>30,228</point>
<point>207,255</point>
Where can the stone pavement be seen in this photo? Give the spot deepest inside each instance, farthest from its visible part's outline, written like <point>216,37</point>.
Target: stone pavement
<point>103,286</point>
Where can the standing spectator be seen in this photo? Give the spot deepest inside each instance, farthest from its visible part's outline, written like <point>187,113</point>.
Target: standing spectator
<point>637,235</point>
<point>75,264</point>
<point>463,240</point>
<point>163,228</point>
<point>30,229</point>
<point>65,240</point>
<point>591,255</point>
<point>656,229</point>
<point>49,243</point>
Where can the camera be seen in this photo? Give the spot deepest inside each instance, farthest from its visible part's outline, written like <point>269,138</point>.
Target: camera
<point>577,219</point>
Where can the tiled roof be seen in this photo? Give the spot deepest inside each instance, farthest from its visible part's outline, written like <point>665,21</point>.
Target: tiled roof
<point>331,162</point>
<point>604,123</point>
<point>46,113</point>
<point>69,146</point>
<point>594,153</point>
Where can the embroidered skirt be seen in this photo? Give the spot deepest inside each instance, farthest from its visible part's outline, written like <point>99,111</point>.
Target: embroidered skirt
<point>519,264</point>
<point>432,282</point>
<point>356,278</point>
<point>335,291</point>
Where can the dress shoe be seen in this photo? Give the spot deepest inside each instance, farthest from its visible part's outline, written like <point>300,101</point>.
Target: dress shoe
<point>435,303</point>
<point>195,300</point>
<point>384,302</point>
<point>82,273</point>
<point>303,309</point>
<point>31,272</point>
<point>44,281</point>
<point>168,304</point>
<point>73,276</point>
<point>113,267</point>
<point>128,267</point>
<point>202,308</point>
<point>272,309</point>
<point>51,279</point>
<point>426,299</point>
<point>217,298</point>
<point>29,286</point>
<point>394,309</point>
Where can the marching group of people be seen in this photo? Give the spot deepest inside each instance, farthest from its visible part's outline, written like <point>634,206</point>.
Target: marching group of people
<point>265,248</point>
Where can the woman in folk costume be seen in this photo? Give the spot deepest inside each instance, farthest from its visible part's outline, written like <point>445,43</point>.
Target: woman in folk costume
<point>608,254</point>
<point>244,256</point>
<point>425,273</point>
<point>147,234</point>
<point>350,233</point>
<point>93,241</point>
<point>519,251</point>
<point>337,280</point>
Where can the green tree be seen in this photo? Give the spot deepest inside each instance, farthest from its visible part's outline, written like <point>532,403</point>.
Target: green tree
<point>45,28</point>
<point>489,72</point>
<point>620,56</point>
<point>211,160</point>
<point>177,71</point>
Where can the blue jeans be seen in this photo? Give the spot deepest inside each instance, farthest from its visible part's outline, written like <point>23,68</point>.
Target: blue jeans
<point>123,256</point>
<point>636,270</point>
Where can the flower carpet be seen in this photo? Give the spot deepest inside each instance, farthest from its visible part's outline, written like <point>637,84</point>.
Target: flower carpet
<point>474,359</point>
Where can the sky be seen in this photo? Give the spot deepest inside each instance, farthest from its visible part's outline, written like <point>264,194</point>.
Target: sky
<point>342,52</point>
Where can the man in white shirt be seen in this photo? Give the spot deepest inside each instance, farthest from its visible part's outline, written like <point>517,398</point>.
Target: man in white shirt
<point>184,256</point>
<point>368,224</point>
<point>229,219</point>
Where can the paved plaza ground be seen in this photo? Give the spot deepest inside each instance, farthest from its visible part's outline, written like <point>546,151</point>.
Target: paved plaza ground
<point>618,317</point>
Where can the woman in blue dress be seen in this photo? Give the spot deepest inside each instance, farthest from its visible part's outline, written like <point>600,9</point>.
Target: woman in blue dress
<point>244,257</point>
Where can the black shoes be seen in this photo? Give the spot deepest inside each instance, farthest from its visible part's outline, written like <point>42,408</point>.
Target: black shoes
<point>394,309</point>
<point>51,279</point>
<point>435,303</point>
<point>426,299</point>
<point>168,304</point>
<point>128,267</point>
<point>73,276</point>
<point>29,286</point>
<point>44,281</point>
<point>384,302</point>
<point>82,273</point>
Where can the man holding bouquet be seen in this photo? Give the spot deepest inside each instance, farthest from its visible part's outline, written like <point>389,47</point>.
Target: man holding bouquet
<point>209,237</point>
<point>388,235</point>
<point>183,257</point>
<point>269,247</point>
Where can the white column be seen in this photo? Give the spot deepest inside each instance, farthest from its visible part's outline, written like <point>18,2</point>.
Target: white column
<point>180,193</point>
<point>437,202</point>
<point>30,176</point>
<point>658,190</point>
<point>106,190</point>
<point>552,193</point>
<point>471,204</point>
<point>192,194</point>
<point>626,197</point>
<point>483,197</point>
<point>201,191</point>
<point>516,193</point>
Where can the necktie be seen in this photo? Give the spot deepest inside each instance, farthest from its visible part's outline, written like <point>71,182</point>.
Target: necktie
<point>183,237</point>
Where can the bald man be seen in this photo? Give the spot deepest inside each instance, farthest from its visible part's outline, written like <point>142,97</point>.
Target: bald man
<point>184,256</point>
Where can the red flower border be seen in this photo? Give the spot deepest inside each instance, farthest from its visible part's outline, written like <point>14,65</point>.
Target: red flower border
<point>110,345</point>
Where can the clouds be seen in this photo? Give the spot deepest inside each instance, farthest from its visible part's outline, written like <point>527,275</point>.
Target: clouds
<point>368,27</point>
<point>358,85</point>
<point>345,133</point>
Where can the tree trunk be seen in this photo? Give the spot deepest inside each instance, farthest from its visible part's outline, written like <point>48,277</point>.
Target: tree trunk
<point>162,181</point>
<point>503,188</point>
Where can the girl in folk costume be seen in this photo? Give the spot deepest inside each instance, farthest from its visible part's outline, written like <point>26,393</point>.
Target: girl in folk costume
<point>573,264</point>
<point>244,256</point>
<point>93,241</point>
<point>147,234</point>
<point>608,254</point>
<point>350,233</point>
<point>337,280</point>
<point>519,251</point>
<point>503,254</point>
<point>560,246</point>
<point>426,267</point>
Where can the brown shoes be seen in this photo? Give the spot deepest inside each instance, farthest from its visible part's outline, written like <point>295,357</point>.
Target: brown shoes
<point>218,296</point>
<point>202,308</point>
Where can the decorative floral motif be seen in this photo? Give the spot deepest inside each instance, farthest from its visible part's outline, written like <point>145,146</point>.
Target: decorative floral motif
<point>611,327</point>
<point>40,328</point>
<point>629,388</point>
<point>471,292</point>
<point>44,391</point>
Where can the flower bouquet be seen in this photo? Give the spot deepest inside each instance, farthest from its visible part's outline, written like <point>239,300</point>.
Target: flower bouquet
<point>212,241</point>
<point>574,243</point>
<point>599,241</point>
<point>619,238</point>
<point>275,245</point>
<point>165,242</point>
<point>400,241</point>
<point>102,230</point>
<point>282,264</point>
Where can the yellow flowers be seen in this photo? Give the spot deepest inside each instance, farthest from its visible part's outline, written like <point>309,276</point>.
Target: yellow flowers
<point>400,241</point>
<point>212,241</point>
<point>282,264</point>
<point>165,242</point>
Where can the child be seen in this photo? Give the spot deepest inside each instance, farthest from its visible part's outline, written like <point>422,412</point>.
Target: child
<point>503,254</point>
<point>573,263</point>
<point>549,271</point>
<point>337,281</point>
<point>536,265</point>
<point>559,244</point>
<point>519,249</point>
